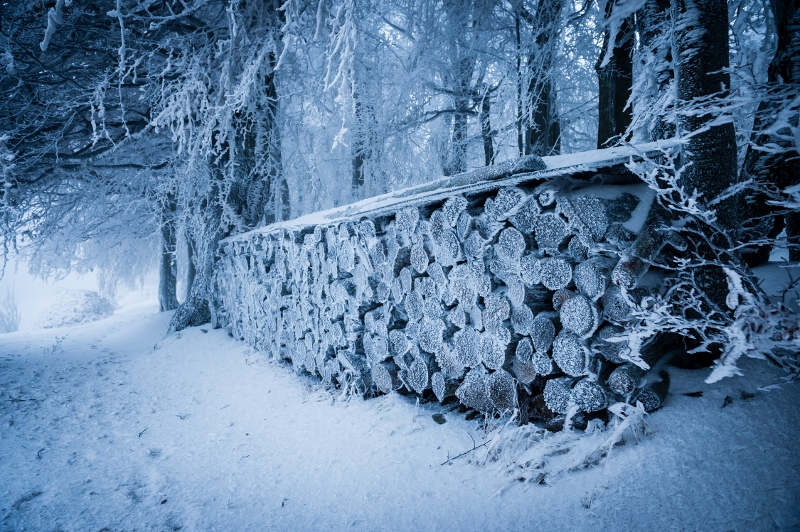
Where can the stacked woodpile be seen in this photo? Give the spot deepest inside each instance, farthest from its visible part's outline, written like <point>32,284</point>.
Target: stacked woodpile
<point>505,293</point>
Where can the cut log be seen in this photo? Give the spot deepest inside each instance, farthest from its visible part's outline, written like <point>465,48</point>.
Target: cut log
<point>452,208</point>
<point>542,332</point>
<point>430,335</point>
<point>653,395</point>
<point>570,353</point>
<point>419,258</point>
<point>558,394</point>
<point>442,388</point>
<point>524,351</point>
<point>464,226</point>
<point>413,306</point>
<point>467,347</point>
<point>530,270</point>
<point>591,278</point>
<point>550,230</point>
<point>406,221</point>
<point>523,371</point>
<point>449,362</point>
<point>474,245</point>
<point>515,290</point>
<point>522,320</point>
<point>501,388</point>
<point>382,378</point>
<point>510,245</point>
<point>417,375</point>
<point>579,315</point>
<point>555,273</point>
<point>494,352</point>
<point>542,363</point>
<point>525,217</point>
<point>472,391</point>
<point>589,395</point>
<point>398,343</point>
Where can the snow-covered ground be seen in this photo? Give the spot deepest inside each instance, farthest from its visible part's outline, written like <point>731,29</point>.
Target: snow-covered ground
<point>111,425</point>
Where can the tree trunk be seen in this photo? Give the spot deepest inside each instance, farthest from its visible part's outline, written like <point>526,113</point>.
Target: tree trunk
<point>486,130</point>
<point>768,168</point>
<point>708,156</point>
<point>462,99</point>
<point>360,147</point>
<point>191,270</point>
<point>259,193</point>
<point>615,78</point>
<point>543,132</point>
<point>658,55</point>
<point>197,308</point>
<point>168,270</point>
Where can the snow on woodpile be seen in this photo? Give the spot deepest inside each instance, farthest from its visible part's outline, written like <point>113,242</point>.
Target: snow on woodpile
<point>495,290</point>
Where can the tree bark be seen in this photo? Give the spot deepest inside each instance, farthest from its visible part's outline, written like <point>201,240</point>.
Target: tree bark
<point>168,270</point>
<point>486,130</point>
<point>259,192</point>
<point>543,130</point>
<point>191,270</point>
<point>782,169</point>
<point>708,156</point>
<point>650,17</point>
<point>615,79</point>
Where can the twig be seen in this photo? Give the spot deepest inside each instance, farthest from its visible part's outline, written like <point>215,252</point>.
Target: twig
<point>140,434</point>
<point>466,452</point>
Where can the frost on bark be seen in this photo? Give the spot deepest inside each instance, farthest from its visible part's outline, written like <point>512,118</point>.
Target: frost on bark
<point>615,78</point>
<point>542,128</point>
<point>168,267</point>
<point>772,160</point>
<point>708,156</point>
<point>701,63</point>
<point>248,187</point>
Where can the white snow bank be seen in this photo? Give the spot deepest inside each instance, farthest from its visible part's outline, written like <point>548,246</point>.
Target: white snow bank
<point>73,306</point>
<point>126,430</point>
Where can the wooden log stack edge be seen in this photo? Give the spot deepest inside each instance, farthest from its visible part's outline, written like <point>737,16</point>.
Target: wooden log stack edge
<point>497,291</point>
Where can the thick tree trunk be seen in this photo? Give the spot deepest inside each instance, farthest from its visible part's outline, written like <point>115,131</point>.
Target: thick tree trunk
<point>259,194</point>
<point>650,20</point>
<point>708,156</point>
<point>197,309</point>
<point>168,270</point>
<point>768,168</point>
<point>461,100</point>
<point>615,78</point>
<point>543,131</point>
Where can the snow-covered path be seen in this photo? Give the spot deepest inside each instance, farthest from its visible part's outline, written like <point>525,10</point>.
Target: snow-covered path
<point>115,427</point>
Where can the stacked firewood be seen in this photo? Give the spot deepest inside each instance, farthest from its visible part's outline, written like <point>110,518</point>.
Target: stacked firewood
<point>501,300</point>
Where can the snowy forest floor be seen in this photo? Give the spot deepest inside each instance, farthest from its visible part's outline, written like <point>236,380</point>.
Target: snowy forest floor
<point>113,426</point>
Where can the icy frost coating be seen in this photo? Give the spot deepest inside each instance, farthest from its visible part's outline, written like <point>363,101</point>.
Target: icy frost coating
<point>472,296</point>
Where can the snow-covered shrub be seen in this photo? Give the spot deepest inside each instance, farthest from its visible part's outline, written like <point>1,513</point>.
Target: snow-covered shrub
<point>745,323</point>
<point>71,307</point>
